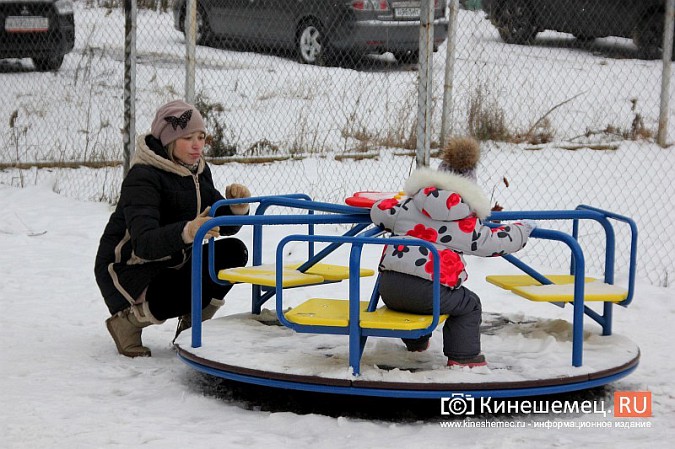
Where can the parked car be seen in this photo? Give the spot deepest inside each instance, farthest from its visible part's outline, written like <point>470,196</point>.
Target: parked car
<point>317,30</point>
<point>519,21</point>
<point>43,30</point>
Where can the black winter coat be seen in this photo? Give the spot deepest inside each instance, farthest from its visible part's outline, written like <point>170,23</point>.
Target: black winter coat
<point>144,233</point>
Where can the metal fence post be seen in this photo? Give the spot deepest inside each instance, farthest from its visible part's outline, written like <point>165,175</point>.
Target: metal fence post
<point>667,70</point>
<point>446,125</point>
<point>129,129</point>
<point>424,78</point>
<point>190,49</point>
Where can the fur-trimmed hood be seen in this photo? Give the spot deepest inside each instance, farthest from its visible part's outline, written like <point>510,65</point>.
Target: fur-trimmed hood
<point>144,155</point>
<point>465,187</point>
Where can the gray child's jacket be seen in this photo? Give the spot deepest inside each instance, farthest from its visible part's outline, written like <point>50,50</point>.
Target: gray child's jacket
<point>445,209</point>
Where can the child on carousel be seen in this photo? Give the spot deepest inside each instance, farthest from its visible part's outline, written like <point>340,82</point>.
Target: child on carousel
<point>443,207</point>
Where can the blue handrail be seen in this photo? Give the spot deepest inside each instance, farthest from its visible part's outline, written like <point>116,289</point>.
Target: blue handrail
<point>264,202</point>
<point>632,264</point>
<point>579,277</point>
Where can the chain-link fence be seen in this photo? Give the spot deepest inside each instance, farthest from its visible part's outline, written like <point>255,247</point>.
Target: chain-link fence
<point>324,94</point>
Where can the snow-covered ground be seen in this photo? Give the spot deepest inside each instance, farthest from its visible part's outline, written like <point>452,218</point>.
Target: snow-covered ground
<point>62,383</point>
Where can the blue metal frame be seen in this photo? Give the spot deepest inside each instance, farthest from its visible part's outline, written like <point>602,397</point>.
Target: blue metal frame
<point>577,262</point>
<point>358,334</point>
<point>338,214</point>
<point>261,294</point>
<point>360,219</point>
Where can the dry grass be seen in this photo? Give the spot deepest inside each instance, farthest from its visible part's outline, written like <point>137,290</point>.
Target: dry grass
<point>486,119</point>
<point>222,140</point>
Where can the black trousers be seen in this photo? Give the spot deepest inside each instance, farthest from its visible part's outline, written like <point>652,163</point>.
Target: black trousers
<point>169,294</point>
<point>411,294</point>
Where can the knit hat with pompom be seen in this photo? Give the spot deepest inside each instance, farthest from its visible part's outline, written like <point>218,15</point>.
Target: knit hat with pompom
<point>461,155</point>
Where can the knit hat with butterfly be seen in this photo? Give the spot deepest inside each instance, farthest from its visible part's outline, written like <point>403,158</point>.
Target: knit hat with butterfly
<point>175,120</point>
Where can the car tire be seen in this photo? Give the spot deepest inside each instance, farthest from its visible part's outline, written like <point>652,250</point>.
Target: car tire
<point>204,33</point>
<point>648,37</point>
<point>311,46</point>
<point>48,64</point>
<point>514,22</point>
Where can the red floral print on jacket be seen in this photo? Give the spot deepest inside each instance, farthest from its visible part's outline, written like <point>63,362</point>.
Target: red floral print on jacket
<point>422,232</point>
<point>453,200</point>
<point>388,204</point>
<point>451,267</point>
<point>467,224</point>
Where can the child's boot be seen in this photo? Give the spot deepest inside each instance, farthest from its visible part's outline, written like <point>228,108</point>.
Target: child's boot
<point>470,362</point>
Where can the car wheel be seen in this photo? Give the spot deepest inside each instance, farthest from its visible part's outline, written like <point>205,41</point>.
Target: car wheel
<point>648,37</point>
<point>310,43</point>
<point>514,22</point>
<point>407,57</point>
<point>204,34</point>
<point>48,64</point>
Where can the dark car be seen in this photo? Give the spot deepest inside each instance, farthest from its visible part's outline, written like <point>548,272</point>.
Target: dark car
<point>317,30</point>
<point>519,21</point>
<point>43,30</point>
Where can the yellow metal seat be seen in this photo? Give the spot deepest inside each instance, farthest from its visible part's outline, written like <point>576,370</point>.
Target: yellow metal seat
<point>333,272</point>
<point>335,312</point>
<point>510,281</point>
<point>266,274</point>
<point>562,289</point>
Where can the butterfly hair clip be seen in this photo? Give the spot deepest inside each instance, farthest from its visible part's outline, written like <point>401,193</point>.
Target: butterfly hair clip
<point>181,121</point>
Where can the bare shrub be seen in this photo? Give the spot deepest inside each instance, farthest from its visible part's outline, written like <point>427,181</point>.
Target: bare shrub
<point>306,140</point>
<point>262,147</point>
<point>541,132</point>
<point>638,130</point>
<point>486,118</point>
<point>402,130</point>
<point>221,140</point>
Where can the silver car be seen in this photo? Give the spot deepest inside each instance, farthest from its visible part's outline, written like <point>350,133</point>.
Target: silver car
<point>318,31</point>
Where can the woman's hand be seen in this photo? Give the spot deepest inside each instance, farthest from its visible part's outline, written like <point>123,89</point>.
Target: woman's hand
<point>238,191</point>
<point>190,229</point>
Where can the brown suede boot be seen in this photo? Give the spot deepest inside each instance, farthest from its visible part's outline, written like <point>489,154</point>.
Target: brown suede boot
<point>185,321</point>
<point>126,326</point>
